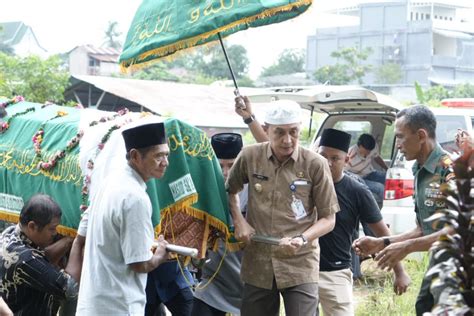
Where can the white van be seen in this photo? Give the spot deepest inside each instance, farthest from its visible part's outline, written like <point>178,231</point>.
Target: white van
<point>355,110</point>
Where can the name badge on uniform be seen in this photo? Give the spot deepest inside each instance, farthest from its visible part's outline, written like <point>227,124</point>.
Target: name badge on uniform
<point>297,205</point>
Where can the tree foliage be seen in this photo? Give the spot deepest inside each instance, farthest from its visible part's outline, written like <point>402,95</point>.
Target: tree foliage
<point>111,35</point>
<point>433,95</point>
<point>452,275</point>
<point>214,65</point>
<point>36,79</point>
<point>202,65</point>
<point>289,61</point>
<point>389,73</point>
<point>349,67</point>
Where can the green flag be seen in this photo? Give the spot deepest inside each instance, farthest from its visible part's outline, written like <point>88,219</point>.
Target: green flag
<point>162,27</point>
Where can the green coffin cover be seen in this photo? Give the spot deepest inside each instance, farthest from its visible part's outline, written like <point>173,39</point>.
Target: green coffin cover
<point>193,183</point>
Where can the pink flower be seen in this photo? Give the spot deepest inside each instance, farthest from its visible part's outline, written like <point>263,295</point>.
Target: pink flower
<point>85,190</point>
<point>101,146</point>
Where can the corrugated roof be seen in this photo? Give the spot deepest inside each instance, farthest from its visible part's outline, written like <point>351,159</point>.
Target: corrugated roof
<point>199,105</point>
<point>105,58</point>
<point>101,50</point>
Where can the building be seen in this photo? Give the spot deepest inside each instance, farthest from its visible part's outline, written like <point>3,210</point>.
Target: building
<point>93,61</point>
<point>431,41</point>
<point>21,39</point>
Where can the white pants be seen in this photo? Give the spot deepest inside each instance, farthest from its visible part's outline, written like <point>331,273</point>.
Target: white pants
<point>335,292</point>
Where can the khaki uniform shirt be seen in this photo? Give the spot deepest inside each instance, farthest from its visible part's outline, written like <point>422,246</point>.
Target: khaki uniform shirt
<point>428,178</point>
<point>270,212</point>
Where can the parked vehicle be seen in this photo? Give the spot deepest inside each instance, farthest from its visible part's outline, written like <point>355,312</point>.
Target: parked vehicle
<point>355,110</point>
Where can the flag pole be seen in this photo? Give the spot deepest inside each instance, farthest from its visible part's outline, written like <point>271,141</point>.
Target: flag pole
<point>236,92</point>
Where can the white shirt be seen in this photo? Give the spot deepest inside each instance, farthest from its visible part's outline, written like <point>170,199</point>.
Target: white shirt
<point>119,233</point>
<point>360,165</point>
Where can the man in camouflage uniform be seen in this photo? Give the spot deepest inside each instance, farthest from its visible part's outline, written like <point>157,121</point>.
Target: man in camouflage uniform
<point>416,138</point>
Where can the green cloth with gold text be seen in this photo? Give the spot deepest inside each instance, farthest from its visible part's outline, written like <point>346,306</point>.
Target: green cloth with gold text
<point>162,27</point>
<point>193,170</point>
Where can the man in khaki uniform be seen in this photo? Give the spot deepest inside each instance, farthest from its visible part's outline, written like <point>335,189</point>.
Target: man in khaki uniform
<point>291,198</point>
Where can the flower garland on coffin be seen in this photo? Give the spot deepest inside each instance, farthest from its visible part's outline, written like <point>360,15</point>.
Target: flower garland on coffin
<point>89,166</point>
<point>39,137</point>
<point>13,100</point>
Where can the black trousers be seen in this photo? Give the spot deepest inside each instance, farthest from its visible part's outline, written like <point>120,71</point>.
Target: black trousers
<point>200,308</point>
<point>180,305</point>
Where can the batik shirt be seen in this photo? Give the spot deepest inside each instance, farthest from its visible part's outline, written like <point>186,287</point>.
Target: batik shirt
<point>30,284</point>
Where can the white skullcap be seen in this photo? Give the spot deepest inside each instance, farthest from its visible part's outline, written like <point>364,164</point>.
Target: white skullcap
<point>283,112</point>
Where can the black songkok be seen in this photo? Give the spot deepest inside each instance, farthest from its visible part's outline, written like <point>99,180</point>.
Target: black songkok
<point>226,145</point>
<point>144,136</point>
<point>335,139</point>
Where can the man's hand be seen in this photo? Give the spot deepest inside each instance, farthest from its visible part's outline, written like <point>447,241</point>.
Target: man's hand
<point>243,231</point>
<point>464,141</point>
<point>367,245</point>
<point>159,250</point>
<point>391,255</point>
<point>401,282</point>
<point>290,246</point>
<point>57,250</point>
<point>246,112</point>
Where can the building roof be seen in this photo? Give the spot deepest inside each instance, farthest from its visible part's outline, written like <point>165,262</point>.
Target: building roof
<point>199,105</point>
<point>451,4</point>
<point>11,33</point>
<point>104,54</point>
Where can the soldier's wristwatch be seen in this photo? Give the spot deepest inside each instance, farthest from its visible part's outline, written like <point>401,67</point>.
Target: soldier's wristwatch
<point>386,241</point>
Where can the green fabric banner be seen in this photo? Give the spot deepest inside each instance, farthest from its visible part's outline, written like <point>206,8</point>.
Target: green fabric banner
<point>193,184</point>
<point>162,27</point>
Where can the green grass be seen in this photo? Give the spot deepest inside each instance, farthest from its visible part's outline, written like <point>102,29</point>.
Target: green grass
<point>375,295</point>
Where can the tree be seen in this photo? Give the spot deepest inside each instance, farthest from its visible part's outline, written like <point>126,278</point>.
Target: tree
<point>36,79</point>
<point>433,95</point>
<point>158,71</point>
<point>214,64</point>
<point>351,69</point>
<point>111,36</point>
<point>202,65</point>
<point>389,73</point>
<point>289,61</point>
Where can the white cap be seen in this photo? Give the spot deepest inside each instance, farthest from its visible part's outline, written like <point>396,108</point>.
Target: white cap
<point>283,112</point>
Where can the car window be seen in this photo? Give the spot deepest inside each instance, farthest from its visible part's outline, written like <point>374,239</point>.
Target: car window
<point>388,142</point>
<point>446,128</point>
<point>355,128</point>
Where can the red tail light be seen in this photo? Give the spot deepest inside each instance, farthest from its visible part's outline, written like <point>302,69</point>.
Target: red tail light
<point>398,189</point>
